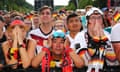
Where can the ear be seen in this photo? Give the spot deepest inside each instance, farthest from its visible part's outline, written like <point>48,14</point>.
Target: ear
<point>67,26</point>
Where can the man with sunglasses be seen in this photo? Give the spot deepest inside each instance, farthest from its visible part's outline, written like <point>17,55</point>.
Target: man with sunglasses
<point>57,57</point>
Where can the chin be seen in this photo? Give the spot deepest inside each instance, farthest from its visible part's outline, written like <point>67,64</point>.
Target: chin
<point>58,53</point>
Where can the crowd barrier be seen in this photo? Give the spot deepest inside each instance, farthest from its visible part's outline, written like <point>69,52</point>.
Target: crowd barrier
<point>105,69</point>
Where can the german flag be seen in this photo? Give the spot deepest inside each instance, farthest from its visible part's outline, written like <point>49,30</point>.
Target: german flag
<point>30,16</point>
<point>116,16</point>
<point>54,15</point>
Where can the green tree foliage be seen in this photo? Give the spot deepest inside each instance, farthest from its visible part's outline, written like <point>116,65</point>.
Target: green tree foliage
<point>19,5</point>
<point>84,3</point>
<point>71,6</point>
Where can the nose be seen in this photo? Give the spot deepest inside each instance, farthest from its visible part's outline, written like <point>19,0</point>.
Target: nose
<point>58,44</point>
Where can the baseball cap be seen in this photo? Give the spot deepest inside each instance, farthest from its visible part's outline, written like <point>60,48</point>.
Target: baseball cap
<point>94,10</point>
<point>58,34</point>
<point>17,22</point>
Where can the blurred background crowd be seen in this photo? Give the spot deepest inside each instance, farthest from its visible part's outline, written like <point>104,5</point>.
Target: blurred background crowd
<point>83,36</point>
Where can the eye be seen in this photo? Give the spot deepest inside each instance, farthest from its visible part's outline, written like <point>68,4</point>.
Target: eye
<point>76,20</point>
<point>21,27</point>
<point>62,42</point>
<point>12,27</point>
<point>54,40</point>
<point>48,13</point>
<point>42,13</point>
<point>71,21</point>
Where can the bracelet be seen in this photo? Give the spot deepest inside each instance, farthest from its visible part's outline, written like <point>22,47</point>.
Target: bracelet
<point>104,38</point>
<point>21,46</point>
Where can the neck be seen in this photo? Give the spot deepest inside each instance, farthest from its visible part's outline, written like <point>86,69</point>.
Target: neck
<point>1,33</point>
<point>72,34</point>
<point>46,27</point>
<point>57,57</point>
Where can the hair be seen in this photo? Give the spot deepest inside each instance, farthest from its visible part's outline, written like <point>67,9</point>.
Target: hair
<point>2,19</point>
<point>71,16</point>
<point>59,21</point>
<point>44,7</point>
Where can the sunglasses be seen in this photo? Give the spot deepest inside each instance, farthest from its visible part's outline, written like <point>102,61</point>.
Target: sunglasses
<point>58,35</point>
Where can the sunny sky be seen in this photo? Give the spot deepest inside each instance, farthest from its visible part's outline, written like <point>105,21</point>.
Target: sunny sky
<point>56,2</point>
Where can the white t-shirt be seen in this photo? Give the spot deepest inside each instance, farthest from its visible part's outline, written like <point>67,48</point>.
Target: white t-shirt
<point>115,35</point>
<point>78,42</point>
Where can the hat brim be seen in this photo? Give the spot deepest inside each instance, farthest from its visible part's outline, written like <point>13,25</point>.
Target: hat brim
<point>11,27</point>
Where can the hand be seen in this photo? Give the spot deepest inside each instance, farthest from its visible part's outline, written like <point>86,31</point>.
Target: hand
<point>98,29</point>
<point>45,43</point>
<point>19,35</point>
<point>67,42</point>
<point>13,61</point>
<point>14,34</point>
<point>48,42</point>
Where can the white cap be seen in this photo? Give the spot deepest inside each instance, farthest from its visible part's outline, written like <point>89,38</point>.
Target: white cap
<point>93,10</point>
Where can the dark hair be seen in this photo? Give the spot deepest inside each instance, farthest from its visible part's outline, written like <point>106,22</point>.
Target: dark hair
<point>2,19</point>
<point>44,7</point>
<point>71,16</point>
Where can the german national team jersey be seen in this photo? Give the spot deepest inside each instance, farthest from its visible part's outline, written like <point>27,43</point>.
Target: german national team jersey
<point>82,45</point>
<point>40,37</point>
<point>78,42</point>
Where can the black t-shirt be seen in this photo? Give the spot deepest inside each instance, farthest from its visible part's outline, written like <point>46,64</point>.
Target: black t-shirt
<point>2,58</point>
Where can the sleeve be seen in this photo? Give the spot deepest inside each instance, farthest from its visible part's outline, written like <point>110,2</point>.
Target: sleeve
<point>115,35</point>
<point>29,35</point>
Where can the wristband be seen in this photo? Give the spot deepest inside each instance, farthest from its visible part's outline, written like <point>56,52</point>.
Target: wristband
<point>104,38</point>
<point>96,39</point>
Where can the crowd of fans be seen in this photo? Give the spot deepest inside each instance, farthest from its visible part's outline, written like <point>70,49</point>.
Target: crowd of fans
<point>62,41</point>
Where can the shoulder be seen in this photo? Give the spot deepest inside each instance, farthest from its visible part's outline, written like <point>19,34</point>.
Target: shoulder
<point>82,32</point>
<point>116,27</point>
<point>115,36</point>
<point>34,31</point>
<point>6,45</point>
<point>32,41</point>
